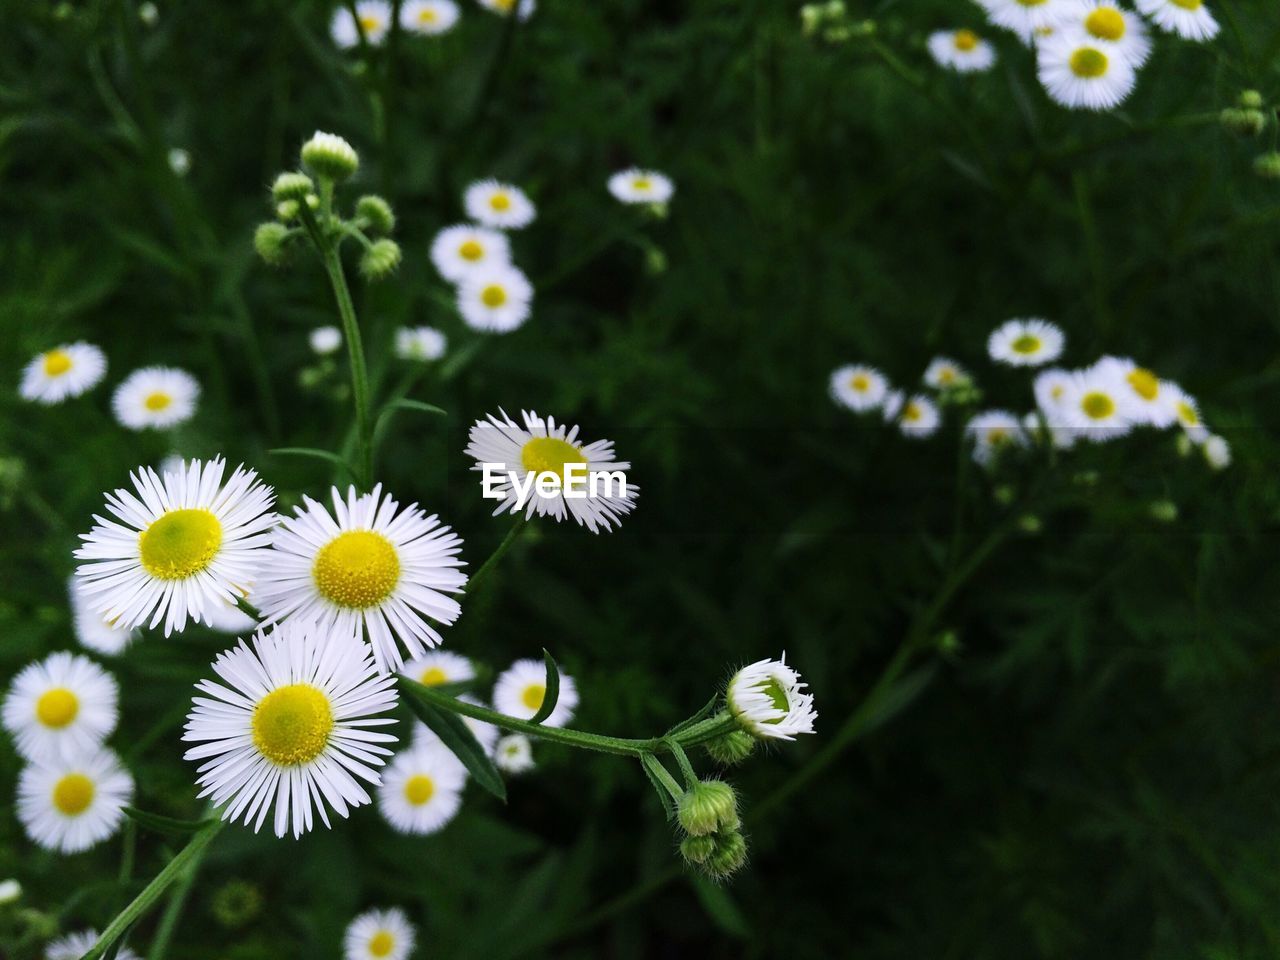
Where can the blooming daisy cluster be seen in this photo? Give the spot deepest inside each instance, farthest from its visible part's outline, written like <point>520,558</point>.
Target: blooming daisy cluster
<point>373,18</point>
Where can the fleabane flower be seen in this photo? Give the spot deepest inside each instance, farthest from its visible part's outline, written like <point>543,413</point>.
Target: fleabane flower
<point>94,631</point>
<point>73,946</point>
<point>420,343</point>
<point>463,248</point>
<point>1186,412</point>
<point>1216,451</point>
<point>1050,387</point>
<point>63,372</point>
<point>181,544</point>
<point>1027,17</point>
<point>287,725</point>
<point>1144,391</point>
<point>325,340</point>
<point>919,417</point>
<point>497,298</point>
<point>155,398</point>
<point>1025,343</point>
<point>439,667</point>
<point>513,754</point>
<point>378,935</point>
<point>768,700</point>
<point>1080,72</point>
<point>994,431</point>
<point>368,569</point>
<point>521,688</point>
<point>374,19</point>
<point>641,186</point>
<point>961,50</point>
<point>943,373</point>
<point>68,804</point>
<point>496,204</point>
<point>523,8</point>
<point>429,18</point>
<point>421,789</point>
<point>61,706</point>
<point>1189,19</point>
<point>593,488</point>
<point>858,387</point>
<point>1097,405</point>
<point>1114,29</point>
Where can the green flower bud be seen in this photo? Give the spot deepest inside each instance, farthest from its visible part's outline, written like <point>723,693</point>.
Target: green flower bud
<point>729,856</point>
<point>1267,165</point>
<point>329,156</point>
<point>380,260</point>
<point>1245,122</point>
<point>698,849</point>
<point>1250,99</point>
<point>1003,494</point>
<point>271,241</point>
<point>286,210</point>
<point>376,212</point>
<point>948,643</point>
<point>237,903</point>
<point>731,748</point>
<point>1163,511</point>
<point>1029,523</point>
<point>291,186</point>
<point>707,807</point>
<point>655,261</point>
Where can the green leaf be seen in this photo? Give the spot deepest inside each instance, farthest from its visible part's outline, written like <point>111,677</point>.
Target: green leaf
<point>698,717</point>
<point>721,908</point>
<point>316,454</point>
<point>405,403</point>
<point>455,735</point>
<point>162,824</point>
<point>551,693</point>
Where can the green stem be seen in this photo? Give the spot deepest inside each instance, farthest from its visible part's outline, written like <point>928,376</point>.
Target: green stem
<point>486,568</point>
<point>682,760</point>
<point>172,911</point>
<point>359,366</point>
<point>662,775</point>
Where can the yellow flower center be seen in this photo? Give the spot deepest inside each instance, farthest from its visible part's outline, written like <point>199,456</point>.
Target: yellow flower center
<point>549,455</point>
<point>1031,3</point>
<point>57,707</point>
<point>291,725</point>
<point>73,794</point>
<point>1105,23</point>
<point>642,183</point>
<point>56,363</point>
<point>180,544</point>
<point>471,250</point>
<point>1187,4</point>
<point>997,436</point>
<point>419,788</point>
<point>500,201</point>
<point>381,944</point>
<point>1145,383</point>
<point>356,569</point>
<point>1187,414</point>
<point>1088,63</point>
<point>533,696</point>
<point>912,413</point>
<point>432,677</point>
<point>370,23</point>
<point>965,40</point>
<point>1057,391</point>
<point>946,375</point>
<point>1026,344</point>
<point>428,15</point>
<point>157,401</point>
<point>493,296</point>
<point>860,382</point>
<point>1097,406</point>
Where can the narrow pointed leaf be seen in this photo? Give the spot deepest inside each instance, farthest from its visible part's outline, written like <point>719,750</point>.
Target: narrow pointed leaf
<point>313,453</point>
<point>162,824</point>
<point>455,735</point>
<point>551,693</point>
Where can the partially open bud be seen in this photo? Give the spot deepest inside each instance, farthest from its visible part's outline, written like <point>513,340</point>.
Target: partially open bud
<point>731,748</point>
<point>1244,121</point>
<point>291,186</point>
<point>271,241</point>
<point>698,849</point>
<point>376,213</point>
<point>380,260</point>
<point>1267,165</point>
<point>768,700</point>
<point>328,155</point>
<point>729,856</point>
<point>708,807</point>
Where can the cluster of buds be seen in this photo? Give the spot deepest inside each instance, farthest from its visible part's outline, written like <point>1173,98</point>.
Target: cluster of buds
<point>708,814</point>
<point>1247,117</point>
<point>304,208</point>
<point>830,22</point>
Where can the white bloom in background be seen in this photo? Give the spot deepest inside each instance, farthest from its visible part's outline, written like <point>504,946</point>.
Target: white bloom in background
<point>288,726</point>
<point>421,788</point>
<point>543,446</point>
<point>892,404</point>
<point>486,734</point>
<point>70,804</point>
<point>1186,412</point>
<point>523,8</point>
<point>1083,73</point>
<point>429,17</point>
<point>496,298</point>
<point>1025,343</point>
<point>1097,405</point>
<point>641,186</point>
<point>1027,18</point>
<point>182,544</point>
<point>148,14</point>
<point>1050,387</point>
<point>1190,19</point>
<point>63,372</point>
<point>1143,389</point>
<point>61,706</point>
<point>513,754</point>
<point>374,20</point>
<point>156,398</point>
<point>10,891</point>
<point>325,340</point>
<point>500,205</point>
<point>858,387</point>
<point>1217,452</point>
<point>461,249</point>
<point>73,946</point>
<point>769,700</point>
<point>961,50</point>
<point>943,373</point>
<point>520,689</point>
<point>92,629</point>
<point>438,667</point>
<point>366,569</point>
<point>420,343</point>
<point>993,431</point>
<point>378,935</point>
<point>919,417</point>
<point>179,161</point>
<point>226,617</point>
<point>1114,29</point>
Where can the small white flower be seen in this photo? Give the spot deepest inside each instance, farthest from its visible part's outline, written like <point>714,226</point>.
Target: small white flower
<point>374,20</point>
<point>1144,390</point>
<point>70,804</point>
<point>1113,28</point>
<point>1097,405</point>
<point>429,17</point>
<point>65,371</point>
<point>994,431</point>
<point>325,340</point>
<point>919,417</point>
<point>961,50</point>
<point>10,891</point>
<point>1027,17</point>
<point>420,343</point>
<point>858,387</point>
<point>495,299</point>
<point>520,689</point>
<point>523,8</point>
<point>1080,72</point>
<point>1186,412</point>
<point>1050,388</point>
<point>769,701</point>
<point>155,398</point>
<point>513,754</point>
<point>500,205</point>
<point>944,373</point>
<point>378,935</point>
<point>1025,343</point>
<point>1217,452</point>
<point>641,186</point>
<point>438,667</point>
<point>1189,19</point>
<point>61,706</point>
<point>73,946</point>
<point>179,161</point>
<point>421,789</point>
<point>463,248</point>
<point>92,629</point>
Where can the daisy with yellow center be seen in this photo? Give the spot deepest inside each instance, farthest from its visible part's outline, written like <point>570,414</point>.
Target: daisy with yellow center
<point>496,298</point>
<point>1114,29</point>
<point>439,667</point>
<point>1026,17</point>
<point>71,804</point>
<point>513,754</point>
<point>420,343</point>
<point>499,205</point>
<point>521,688</point>
<point>1050,387</point>
<point>523,8</point>
<point>367,570</point>
<point>155,398</point>
<point>464,248</point>
<point>919,417</point>
<point>641,186</point>
<point>943,373</point>
<point>373,18</point>
<point>858,387</point>
<point>961,50</point>
<point>421,789</point>
<point>378,935</point>
<point>1025,343</point>
<point>992,432</point>
<point>1189,19</point>
<point>287,727</point>
<point>543,446</point>
<point>769,701</point>
<point>429,18</point>
<point>1097,405</point>
<point>61,706</point>
<point>1144,391</point>
<point>180,545</point>
<point>1084,73</point>
<point>63,372</point>
<point>1185,412</point>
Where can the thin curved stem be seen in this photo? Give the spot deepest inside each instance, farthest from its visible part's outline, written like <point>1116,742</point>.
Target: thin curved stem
<point>522,521</point>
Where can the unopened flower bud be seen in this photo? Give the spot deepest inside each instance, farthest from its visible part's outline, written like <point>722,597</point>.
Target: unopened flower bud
<point>698,849</point>
<point>1244,122</point>
<point>1250,99</point>
<point>291,186</point>
<point>729,856</point>
<point>1029,523</point>
<point>287,210</point>
<point>380,260</point>
<point>271,241</point>
<point>1003,494</point>
<point>1267,165</point>
<point>732,747</point>
<point>329,156</point>
<point>376,212</point>
<point>1163,511</point>
<point>708,807</point>
<point>655,261</point>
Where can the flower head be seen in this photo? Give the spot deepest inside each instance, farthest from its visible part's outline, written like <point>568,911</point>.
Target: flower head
<point>1027,17</point>
<point>1097,405</point>
<point>513,754</point>
<point>378,935</point>
<point>1189,19</point>
<point>1142,389</point>
<point>641,186</point>
<point>70,803</point>
<point>520,689</point>
<point>73,946</point>
<point>463,248</point>
<point>328,156</point>
<point>500,205</point>
<point>65,371</point>
<point>420,343</point>
<point>919,417</point>
<point>61,706</point>
<point>1113,28</point>
<point>769,701</point>
<point>1217,452</point>
<point>858,387</point>
<point>155,398</point>
<point>994,431</point>
<point>325,340</point>
<point>421,789</point>
<point>438,667</point>
<point>943,373</point>
<point>373,18</point>
<point>961,50</point>
<point>1025,343</point>
<point>1081,72</point>
<point>496,299</point>
<point>1186,412</point>
<point>523,8</point>
<point>429,18</point>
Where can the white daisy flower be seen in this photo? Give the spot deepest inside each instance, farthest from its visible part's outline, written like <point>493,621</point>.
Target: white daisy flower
<point>500,205</point>
<point>439,667</point>
<point>155,398</point>
<point>325,340</point>
<point>10,891</point>
<point>993,431</point>
<point>369,569</point>
<point>70,804</point>
<point>504,450</point>
<point>421,789</point>
<point>429,17</point>
<point>1217,452</point>
<point>641,186</point>
<point>378,935</point>
<point>1083,72</point>
<point>1114,29</point>
<point>519,690</point>
<point>1144,389</point>
<point>513,754</point>
<point>1097,405</point>
<point>420,343</point>
<point>858,387</point>
<point>496,298</point>
<point>61,706</point>
<point>184,543</point>
<point>1186,412</point>
<point>1050,387</point>
<point>944,373</point>
<point>65,371</point>
<point>287,726</point>
<point>919,417</point>
<point>461,249</point>
<point>769,701</point>
<point>1025,343</point>
<point>1027,17</point>
<point>523,8</point>
<point>1190,19</point>
<point>961,50</point>
<point>374,20</point>
<point>73,946</point>
<point>92,629</point>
